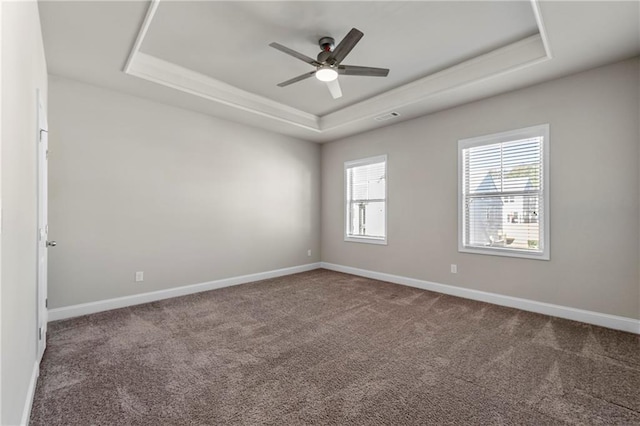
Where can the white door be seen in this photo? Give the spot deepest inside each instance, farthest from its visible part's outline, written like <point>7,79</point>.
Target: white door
<point>43,227</point>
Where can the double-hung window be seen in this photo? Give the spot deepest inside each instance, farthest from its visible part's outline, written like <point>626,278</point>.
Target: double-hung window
<point>503,193</point>
<point>366,200</point>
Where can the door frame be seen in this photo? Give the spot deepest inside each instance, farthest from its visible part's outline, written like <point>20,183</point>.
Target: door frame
<point>1,7</point>
<point>42,226</point>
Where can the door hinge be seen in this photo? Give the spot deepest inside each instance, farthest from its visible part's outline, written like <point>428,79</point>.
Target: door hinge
<point>46,302</point>
<point>40,333</point>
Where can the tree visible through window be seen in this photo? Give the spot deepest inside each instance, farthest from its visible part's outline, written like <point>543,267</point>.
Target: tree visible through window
<point>366,200</point>
<point>503,193</point>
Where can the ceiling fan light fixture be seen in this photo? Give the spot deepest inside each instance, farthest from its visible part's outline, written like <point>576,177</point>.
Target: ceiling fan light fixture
<point>326,73</point>
<point>328,63</point>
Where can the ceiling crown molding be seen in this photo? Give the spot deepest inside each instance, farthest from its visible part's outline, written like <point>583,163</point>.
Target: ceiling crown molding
<point>171,75</point>
<point>512,57</point>
<point>515,56</point>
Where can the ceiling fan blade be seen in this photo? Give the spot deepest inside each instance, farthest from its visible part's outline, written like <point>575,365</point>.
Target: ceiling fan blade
<point>364,71</point>
<point>347,43</point>
<point>295,54</point>
<point>334,88</point>
<point>297,79</point>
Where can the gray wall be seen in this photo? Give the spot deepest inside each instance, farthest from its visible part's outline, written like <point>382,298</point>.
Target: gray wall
<point>594,149</point>
<point>23,71</point>
<point>186,198</point>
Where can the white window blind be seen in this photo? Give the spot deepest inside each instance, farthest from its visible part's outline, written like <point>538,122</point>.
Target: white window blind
<point>503,193</point>
<point>366,200</point>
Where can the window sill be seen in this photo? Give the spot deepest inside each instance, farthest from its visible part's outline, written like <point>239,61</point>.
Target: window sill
<point>366,240</point>
<point>504,252</point>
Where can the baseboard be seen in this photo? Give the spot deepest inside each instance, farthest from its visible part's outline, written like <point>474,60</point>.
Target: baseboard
<point>596,318</point>
<point>604,320</point>
<point>137,299</point>
<point>31,390</point>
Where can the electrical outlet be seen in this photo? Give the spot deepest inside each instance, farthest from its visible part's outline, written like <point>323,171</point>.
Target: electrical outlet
<point>139,276</point>
<point>454,268</point>
<point>309,252</point>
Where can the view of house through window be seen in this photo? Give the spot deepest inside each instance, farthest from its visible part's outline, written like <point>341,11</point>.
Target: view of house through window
<point>502,193</point>
<point>366,200</point>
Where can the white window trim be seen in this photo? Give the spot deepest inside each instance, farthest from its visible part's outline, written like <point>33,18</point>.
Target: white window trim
<point>364,162</point>
<point>528,132</point>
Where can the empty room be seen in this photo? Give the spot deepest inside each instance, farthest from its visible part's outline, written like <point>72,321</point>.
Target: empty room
<point>319,212</point>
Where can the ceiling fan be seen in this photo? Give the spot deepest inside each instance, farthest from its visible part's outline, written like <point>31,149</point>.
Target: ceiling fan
<point>328,64</point>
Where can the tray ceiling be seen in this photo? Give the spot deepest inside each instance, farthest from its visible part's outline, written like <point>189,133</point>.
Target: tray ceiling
<point>213,57</point>
<point>228,41</point>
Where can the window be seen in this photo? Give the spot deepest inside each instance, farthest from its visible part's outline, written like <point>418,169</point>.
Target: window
<point>503,193</point>
<point>366,200</point>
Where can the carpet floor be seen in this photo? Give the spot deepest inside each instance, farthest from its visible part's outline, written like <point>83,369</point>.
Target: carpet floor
<point>323,347</point>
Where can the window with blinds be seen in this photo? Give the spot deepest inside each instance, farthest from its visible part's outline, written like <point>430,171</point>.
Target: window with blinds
<point>503,193</point>
<point>366,200</point>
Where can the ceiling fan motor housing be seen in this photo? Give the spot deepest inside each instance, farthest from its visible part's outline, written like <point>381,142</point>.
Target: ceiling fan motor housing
<point>326,44</point>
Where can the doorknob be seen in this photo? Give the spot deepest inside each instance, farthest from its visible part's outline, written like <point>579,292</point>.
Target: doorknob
<point>51,244</point>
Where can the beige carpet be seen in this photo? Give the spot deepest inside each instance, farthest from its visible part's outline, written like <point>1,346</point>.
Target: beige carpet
<point>328,348</point>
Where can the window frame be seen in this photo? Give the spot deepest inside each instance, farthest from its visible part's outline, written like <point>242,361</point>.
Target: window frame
<point>364,162</point>
<point>544,218</point>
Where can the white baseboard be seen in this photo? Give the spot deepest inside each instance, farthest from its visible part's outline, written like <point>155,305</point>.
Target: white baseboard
<point>137,299</point>
<point>31,390</point>
<point>604,320</point>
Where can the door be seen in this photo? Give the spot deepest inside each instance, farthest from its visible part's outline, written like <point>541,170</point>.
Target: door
<point>43,227</point>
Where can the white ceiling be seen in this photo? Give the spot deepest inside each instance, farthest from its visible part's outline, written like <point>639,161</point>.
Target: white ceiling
<point>213,57</point>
